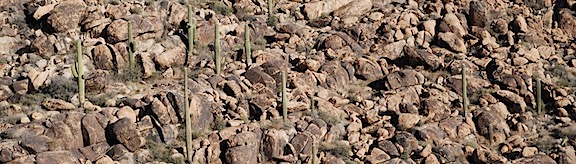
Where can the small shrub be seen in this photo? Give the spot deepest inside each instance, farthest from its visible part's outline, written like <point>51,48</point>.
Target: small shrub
<point>219,123</point>
<point>162,152</point>
<point>337,149</point>
<point>220,7</point>
<point>114,2</point>
<point>129,75</point>
<point>545,144</point>
<point>100,99</point>
<point>61,88</point>
<point>272,20</point>
<point>32,99</point>
<point>329,118</point>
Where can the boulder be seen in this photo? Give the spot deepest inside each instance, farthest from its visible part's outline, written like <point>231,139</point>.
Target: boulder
<point>66,16</point>
<point>103,57</point>
<point>403,78</point>
<point>56,157</point>
<point>92,131</point>
<point>243,148</point>
<point>453,42</point>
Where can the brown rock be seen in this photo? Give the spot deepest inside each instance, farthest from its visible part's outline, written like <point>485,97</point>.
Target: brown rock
<point>66,16</point>
<point>479,13</point>
<point>423,57</point>
<point>337,76</point>
<point>170,57</point>
<point>274,142</point>
<point>243,148</point>
<point>301,142</point>
<point>538,158</point>
<point>201,112</point>
<point>56,157</point>
<point>21,86</point>
<point>407,141</point>
<point>408,120</point>
<point>161,111</point>
<point>353,9</point>
<point>103,57</point>
<point>23,159</point>
<point>514,101</point>
<point>404,78</point>
<point>368,69</point>
<point>377,156</point>
<point>567,22</point>
<point>451,24</point>
<point>453,42</point>
<point>123,130</point>
<point>62,137</point>
<point>92,131</point>
<point>57,104</point>
<point>315,9</point>
<point>44,45</point>
<point>257,75</point>
<point>35,144</point>
<point>93,152</point>
<point>485,156</point>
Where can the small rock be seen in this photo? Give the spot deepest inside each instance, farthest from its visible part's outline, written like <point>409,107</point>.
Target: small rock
<point>529,151</point>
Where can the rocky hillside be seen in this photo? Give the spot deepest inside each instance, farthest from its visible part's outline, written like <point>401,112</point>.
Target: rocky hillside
<point>368,81</point>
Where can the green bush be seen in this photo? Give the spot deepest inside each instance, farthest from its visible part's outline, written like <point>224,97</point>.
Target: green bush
<point>162,152</point>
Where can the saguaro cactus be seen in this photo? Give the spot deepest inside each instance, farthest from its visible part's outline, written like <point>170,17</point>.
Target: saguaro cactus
<point>78,72</point>
<point>539,102</point>
<point>191,25</point>
<point>284,100</point>
<point>131,46</point>
<point>217,48</point>
<point>247,44</point>
<point>464,91</point>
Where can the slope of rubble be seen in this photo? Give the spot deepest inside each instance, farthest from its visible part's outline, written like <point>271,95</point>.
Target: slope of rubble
<point>369,81</point>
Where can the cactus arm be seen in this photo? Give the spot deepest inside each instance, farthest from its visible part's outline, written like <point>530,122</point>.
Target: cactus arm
<point>74,69</point>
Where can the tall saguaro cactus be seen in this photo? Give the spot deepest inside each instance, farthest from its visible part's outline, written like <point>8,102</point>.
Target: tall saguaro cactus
<point>191,25</point>
<point>131,47</point>
<point>247,44</point>
<point>78,72</point>
<point>217,48</point>
<point>464,91</point>
<point>284,99</point>
<point>539,101</point>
